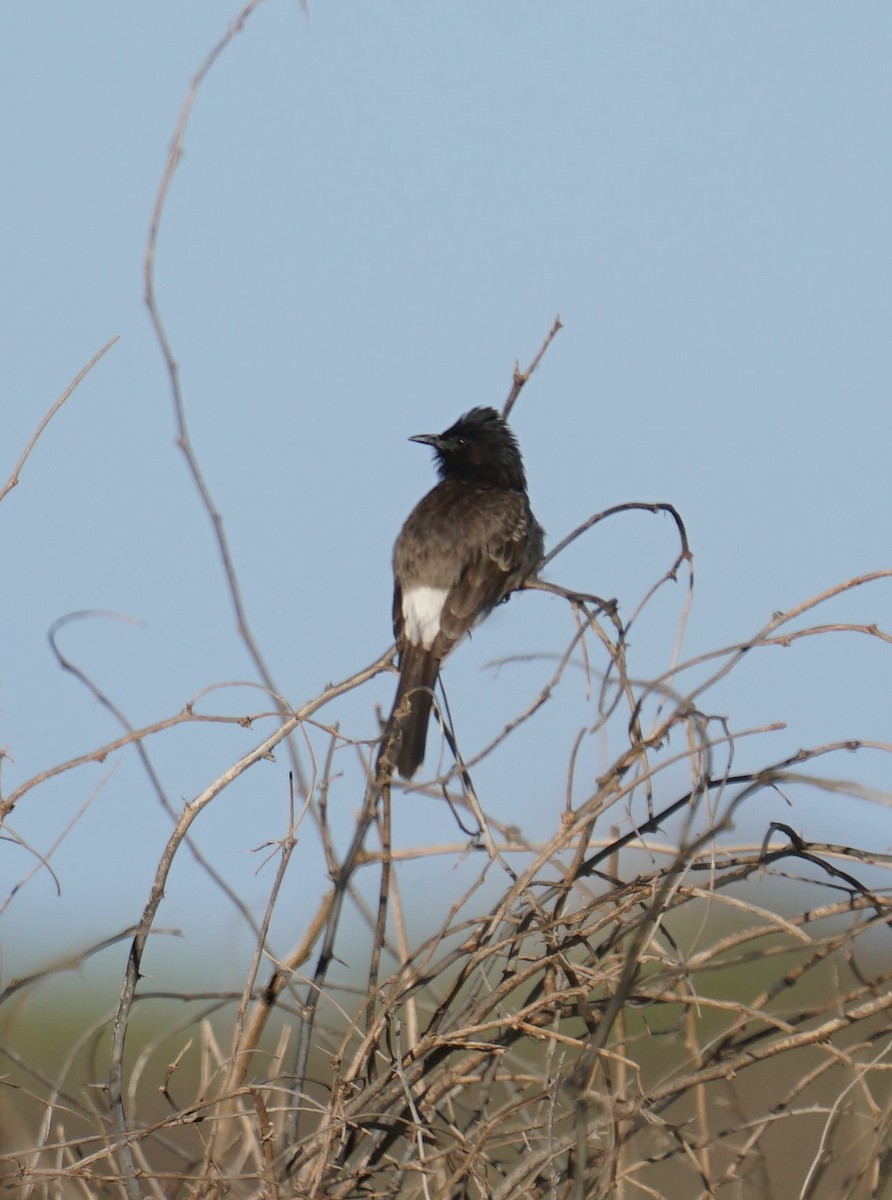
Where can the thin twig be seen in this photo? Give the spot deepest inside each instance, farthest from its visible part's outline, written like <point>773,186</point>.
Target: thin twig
<point>26,453</point>
<point>521,377</point>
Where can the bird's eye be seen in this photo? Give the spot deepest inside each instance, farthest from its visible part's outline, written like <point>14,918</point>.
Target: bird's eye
<point>459,441</point>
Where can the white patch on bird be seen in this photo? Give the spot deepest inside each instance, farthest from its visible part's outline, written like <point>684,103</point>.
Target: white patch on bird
<point>422,607</point>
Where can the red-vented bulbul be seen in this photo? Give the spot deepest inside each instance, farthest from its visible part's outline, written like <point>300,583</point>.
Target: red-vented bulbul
<point>465,547</point>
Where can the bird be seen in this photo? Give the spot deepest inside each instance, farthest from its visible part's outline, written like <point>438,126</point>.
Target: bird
<point>467,544</point>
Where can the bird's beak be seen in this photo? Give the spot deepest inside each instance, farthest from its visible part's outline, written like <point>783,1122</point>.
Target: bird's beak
<point>427,439</point>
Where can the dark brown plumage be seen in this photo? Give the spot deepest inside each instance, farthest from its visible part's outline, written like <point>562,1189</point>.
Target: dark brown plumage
<point>465,547</point>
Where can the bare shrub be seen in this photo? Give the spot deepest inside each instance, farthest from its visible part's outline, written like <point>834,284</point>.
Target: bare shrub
<point>595,1015</point>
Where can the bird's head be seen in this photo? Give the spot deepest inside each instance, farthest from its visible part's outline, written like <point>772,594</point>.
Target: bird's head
<point>478,447</point>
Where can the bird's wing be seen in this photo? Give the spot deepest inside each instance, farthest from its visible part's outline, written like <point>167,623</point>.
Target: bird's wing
<point>499,559</point>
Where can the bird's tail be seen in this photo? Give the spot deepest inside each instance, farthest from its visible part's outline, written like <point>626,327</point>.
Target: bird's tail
<point>406,732</point>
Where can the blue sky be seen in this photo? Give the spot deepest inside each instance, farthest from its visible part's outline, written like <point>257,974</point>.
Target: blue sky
<point>380,208</point>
